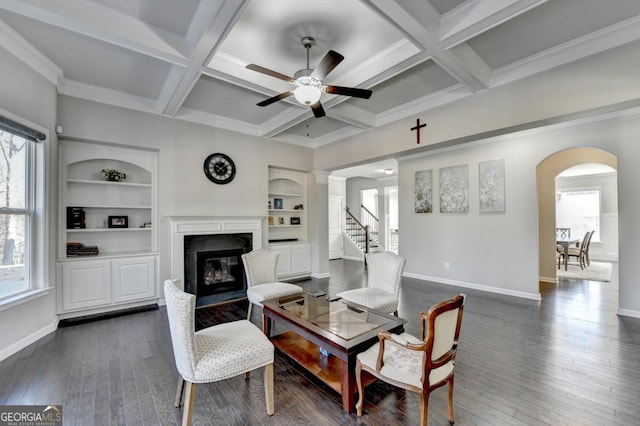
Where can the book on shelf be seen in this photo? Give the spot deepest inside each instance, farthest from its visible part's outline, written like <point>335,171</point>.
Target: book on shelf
<point>79,249</point>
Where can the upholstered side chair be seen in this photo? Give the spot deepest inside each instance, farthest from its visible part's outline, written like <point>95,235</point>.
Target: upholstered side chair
<point>215,353</point>
<point>383,283</point>
<point>262,283</point>
<point>418,365</point>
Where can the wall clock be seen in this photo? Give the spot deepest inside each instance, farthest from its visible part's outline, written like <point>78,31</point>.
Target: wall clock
<point>219,168</point>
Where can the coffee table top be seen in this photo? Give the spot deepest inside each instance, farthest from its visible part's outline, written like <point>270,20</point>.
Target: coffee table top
<point>339,319</point>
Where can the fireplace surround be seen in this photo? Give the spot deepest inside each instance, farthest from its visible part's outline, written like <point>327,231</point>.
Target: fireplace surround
<point>228,236</point>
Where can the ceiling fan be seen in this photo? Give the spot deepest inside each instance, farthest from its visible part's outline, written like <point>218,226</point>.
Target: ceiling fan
<point>308,82</point>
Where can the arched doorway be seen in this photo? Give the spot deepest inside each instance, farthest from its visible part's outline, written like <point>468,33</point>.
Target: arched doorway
<point>546,172</point>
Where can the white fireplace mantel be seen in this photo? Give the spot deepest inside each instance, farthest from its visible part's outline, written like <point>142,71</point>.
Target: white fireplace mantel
<point>209,225</point>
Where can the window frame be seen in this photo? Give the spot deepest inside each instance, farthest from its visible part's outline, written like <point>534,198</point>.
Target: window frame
<point>597,188</point>
<point>37,247</point>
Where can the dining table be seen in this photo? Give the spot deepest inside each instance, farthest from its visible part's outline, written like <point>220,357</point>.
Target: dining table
<point>566,243</point>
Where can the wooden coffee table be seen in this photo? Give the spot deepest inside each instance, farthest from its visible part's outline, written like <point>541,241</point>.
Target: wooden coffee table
<point>315,324</point>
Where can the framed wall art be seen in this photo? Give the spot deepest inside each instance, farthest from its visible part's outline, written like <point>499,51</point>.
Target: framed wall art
<point>454,189</point>
<point>492,186</point>
<point>424,191</point>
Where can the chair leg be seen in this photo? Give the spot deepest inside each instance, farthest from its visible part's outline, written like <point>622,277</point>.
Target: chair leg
<point>249,311</point>
<point>424,412</point>
<point>268,388</point>
<point>179,391</point>
<point>188,403</point>
<point>360,389</point>
<point>451,417</point>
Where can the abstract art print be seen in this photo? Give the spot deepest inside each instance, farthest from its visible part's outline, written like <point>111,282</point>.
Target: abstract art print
<point>424,191</point>
<point>454,189</point>
<point>492,188</point>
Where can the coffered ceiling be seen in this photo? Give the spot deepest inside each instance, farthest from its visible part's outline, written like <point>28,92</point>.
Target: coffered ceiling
<point>186,58</point>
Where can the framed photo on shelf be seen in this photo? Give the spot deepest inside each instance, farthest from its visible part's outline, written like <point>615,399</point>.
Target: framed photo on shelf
<point>271,221</point>
<point>281,220</point>
<point>295,220</point>
<point>277,203</point>
<point>118,222</point>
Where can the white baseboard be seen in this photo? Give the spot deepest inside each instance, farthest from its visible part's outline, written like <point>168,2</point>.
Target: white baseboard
<point>322,275</point>
<point>628,313</point>
<point>32,338</point>
<point>359,259</point>
<point>548,280</point>
<point>481,287</point>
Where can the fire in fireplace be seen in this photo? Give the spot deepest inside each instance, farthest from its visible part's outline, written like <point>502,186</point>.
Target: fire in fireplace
<point>213,264</point>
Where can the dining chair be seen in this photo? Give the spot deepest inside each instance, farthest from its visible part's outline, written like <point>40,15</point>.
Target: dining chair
<point>579,253</point>
<point>384,274</point>
<point>563,233</point>
<point>262,284</point>
<point>215,353</point>
<point>418,365</point>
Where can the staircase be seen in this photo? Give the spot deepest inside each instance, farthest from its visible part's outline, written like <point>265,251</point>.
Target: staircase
<point>364,235</point>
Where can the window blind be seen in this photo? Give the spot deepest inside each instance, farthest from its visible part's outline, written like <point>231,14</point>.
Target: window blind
<point>11,126</point>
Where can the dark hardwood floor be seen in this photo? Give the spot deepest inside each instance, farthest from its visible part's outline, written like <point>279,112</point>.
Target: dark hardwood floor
<point>567,360</point>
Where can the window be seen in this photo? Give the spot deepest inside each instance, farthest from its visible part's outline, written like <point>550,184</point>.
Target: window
<point>16,212</point>
<point>579,209</point>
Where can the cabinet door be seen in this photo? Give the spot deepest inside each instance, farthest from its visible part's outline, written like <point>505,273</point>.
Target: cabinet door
<point>300,258</point>
<point>284,260</point>
<point>86,284</point>
<point>133,279</point>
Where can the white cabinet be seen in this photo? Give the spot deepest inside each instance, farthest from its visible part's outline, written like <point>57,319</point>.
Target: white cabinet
<point>85,284</point>
<point>133,278</point>
<point>104,284</point>
<point>118,218</point>
<point>294,260</point>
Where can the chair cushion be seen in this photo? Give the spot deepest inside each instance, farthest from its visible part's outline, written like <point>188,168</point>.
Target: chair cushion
<point>261,292</point>
<point>401,364</point>
<point>230,349</point>
<point>373,298</point>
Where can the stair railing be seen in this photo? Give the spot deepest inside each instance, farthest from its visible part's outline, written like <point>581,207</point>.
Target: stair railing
<point>371,221</point>
<point>362,227</point>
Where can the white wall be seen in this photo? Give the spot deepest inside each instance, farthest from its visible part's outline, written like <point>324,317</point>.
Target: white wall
<point>25,93</point>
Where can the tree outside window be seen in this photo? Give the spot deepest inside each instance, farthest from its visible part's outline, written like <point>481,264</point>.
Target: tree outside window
<point>15,213</point>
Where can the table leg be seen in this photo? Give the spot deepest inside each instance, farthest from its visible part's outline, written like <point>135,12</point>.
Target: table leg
<point>347,386</point>
<point>566,257</point>
<point>266,325</point>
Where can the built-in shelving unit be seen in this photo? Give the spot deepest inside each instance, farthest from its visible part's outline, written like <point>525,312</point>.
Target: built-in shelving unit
<point>120,219</point>
<point>287,222</point>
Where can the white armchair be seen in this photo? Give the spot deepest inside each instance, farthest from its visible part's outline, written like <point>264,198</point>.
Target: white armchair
<point>262,283</point>
<point>214,353</point>
<point>418,365</point>
<point>383,283</point>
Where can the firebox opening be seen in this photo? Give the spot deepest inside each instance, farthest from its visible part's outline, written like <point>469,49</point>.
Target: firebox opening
<point>213,264</point>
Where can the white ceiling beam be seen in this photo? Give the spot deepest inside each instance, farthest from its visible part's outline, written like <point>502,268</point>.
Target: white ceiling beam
<point>221,19</point>
<point>416,19</point>
<point>596,42</point>
<point>476,16</point>
<point>96,21</point>
<point>94,93</point>
<point>22,49</point>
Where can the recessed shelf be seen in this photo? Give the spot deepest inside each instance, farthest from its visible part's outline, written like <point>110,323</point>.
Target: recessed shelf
<point>286,210</point>
<point>108,183</point>
<point>82,230</point>
<point>113,207</point>
<point>283,194</point>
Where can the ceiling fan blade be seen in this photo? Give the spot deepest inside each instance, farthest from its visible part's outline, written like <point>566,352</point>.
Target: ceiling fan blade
<point>348,91</point>
<point>327,64</point>
<point>271,73</point>
<point>276,98</point>
<point>317,109</point>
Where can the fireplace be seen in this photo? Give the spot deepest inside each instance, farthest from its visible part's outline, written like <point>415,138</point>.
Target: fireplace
<point>207,234</point>
<point>212,263</point>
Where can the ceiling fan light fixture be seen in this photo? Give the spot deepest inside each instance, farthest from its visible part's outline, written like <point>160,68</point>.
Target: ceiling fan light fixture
<point>308,90</point>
